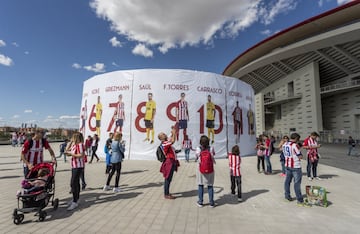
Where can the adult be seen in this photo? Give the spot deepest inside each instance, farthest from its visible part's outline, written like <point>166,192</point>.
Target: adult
<point>169,165</point>
<point>88,143</point>
<point>119,115</point>
<point>238,125</point>
<point>267,153</point>
<point>352,145</point>
<point>117,156</point>
<point>98,114</point>
<point>282,157</point>
<point>260,155</point>
<point>32,151</point>
<point>94,146</point>
<point>76,150</point>
<point>149,118</point>
<point>293,158</point>
<point>210,119</point>
<point>311,145</point>
<point>182,115</point>
<point>205,178</point>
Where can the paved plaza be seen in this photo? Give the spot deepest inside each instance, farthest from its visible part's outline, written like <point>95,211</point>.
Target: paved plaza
<point>141,208</point>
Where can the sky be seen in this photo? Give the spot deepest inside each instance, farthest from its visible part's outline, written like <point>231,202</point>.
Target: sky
<point>49,48</point>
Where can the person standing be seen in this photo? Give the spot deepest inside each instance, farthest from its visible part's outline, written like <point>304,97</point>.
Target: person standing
<point>149,118</point>
<point>88,144</point>
<point>311,145</point>
<point>282,157</point>
<point>187,146</point>
<point>238,125</point>
<point>352,145</point>
<point>117,156</point>
<point>205,155</point>
<point>235,174</point>
<point>119,115</point>
<point>76,150</point>
<point>267,154</point>
<point>32,151</point>
<point>98,114</point>
<point>210,119</point>
<point>182,115</point>
<point>293,158</point>
<point>260,155</point>
<point>107,151</point>
<point>94,146</point>
<point>169,165</point>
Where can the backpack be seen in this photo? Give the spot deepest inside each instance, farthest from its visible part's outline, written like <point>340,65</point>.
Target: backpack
<point>206,162</point>
<point>160,154</point>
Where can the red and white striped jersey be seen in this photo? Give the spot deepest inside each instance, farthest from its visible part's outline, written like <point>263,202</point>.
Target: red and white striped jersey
<point>187,144</point>
<point>237,114</point>
<point>78,162</point>
<point>234,164</point>
<point>292,152</point>
<point>182,107</point>
<point>33,152</point>
<point>310,142</point>
<point>120,110</point>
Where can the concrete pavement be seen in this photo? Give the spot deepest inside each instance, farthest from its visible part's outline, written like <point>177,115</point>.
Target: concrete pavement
<point>141,208</point>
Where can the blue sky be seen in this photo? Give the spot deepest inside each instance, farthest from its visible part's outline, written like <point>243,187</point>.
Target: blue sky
<point>49,48</point>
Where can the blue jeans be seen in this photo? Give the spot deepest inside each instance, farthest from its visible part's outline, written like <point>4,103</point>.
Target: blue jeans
<point>268,164</point>
<point>187,154</point>
<point>168,180</point>
<point>295,173</point>
<point>201,194</point>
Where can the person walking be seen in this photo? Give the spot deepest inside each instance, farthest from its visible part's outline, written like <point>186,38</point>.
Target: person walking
<point>169,165</point>
<point>187,146</point>
<point>94,146</point>
<point>76,150</point>
<point>352,145</point>
<point>293,158</point>
<point>62,148</point>
<point>205,174</point>
<point>235,174</point>
<point>117,156</point>
<point>311,145</point>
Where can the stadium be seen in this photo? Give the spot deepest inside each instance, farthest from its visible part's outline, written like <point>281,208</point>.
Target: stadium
<point>307,78</point>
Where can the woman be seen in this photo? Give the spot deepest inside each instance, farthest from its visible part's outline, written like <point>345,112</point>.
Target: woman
<point>76,150</point>
<point>117,155</point>
<point>94,147</point>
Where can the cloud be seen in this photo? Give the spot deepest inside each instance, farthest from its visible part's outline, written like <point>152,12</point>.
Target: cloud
<point>27,111</point>
<point>166,25</point>
<point>141,49</point>
<point>266,32</point>
<point>97,67</point>
<point>115,43</point>
<point>6,61</point>
<point>16,116</point>
<point>69,117</point>
<point>114,64</point>
<point>26,52</point>
<point>2,43</point>
<point>341,2</point>
<point>76,65</point>
<point>15,44</point>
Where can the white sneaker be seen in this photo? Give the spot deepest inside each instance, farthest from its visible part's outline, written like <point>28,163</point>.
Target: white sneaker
<point>72,206</point>
<point>310,178</point>
<point>116,190</point>
<point>106,188</point>
<point>318,178</point>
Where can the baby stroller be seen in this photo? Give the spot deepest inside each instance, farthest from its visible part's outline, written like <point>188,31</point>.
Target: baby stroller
<point>36,201</point>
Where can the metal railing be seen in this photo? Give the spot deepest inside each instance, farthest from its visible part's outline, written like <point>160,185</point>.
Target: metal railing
<point>339,86</point>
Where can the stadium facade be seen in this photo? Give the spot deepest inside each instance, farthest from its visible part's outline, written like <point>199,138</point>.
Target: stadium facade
<point>307,77</point>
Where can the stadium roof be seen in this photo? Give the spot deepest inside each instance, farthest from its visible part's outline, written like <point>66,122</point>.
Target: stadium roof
<point>332,39</point>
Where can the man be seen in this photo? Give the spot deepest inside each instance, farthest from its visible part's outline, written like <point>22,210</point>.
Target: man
<point>149,118</point>
<point>32,151</point>
<point>293,158</point>
<point>210,119</point>
<point>352,145</point>
<point>182,115</point>
<point>250,116</point>
<point>238,125</point>
<point>98,115</point>
<point>169,165</point>
<point>312,146</point>
<point>119,115</point>
<point>83,118</point>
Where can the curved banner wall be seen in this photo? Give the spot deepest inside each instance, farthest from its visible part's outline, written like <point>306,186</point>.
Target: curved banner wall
<point>119,101</point>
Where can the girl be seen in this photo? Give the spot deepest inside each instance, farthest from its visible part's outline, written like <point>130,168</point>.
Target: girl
<point>235,175</point>
<point>260,155</point>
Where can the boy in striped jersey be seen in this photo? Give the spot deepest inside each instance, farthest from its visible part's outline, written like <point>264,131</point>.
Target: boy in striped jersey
<point>235,175</point>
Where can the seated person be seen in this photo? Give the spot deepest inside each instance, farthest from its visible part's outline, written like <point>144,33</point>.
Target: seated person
<point>37,184</point>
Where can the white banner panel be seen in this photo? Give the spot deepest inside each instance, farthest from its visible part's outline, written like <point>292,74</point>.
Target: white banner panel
<point>165,109</point>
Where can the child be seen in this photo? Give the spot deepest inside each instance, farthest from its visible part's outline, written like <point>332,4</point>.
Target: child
<point>205,154</point>
<point>62,149</point>
<point>282,157</point>
<point>187,146</point>
<point>235,175</point>
<point>35,185</point>
<point>260,155</point>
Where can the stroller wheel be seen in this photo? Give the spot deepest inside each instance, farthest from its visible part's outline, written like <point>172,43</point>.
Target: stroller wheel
<point>18,219</point>
<point>55,203</point>
<point>42,215</point>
